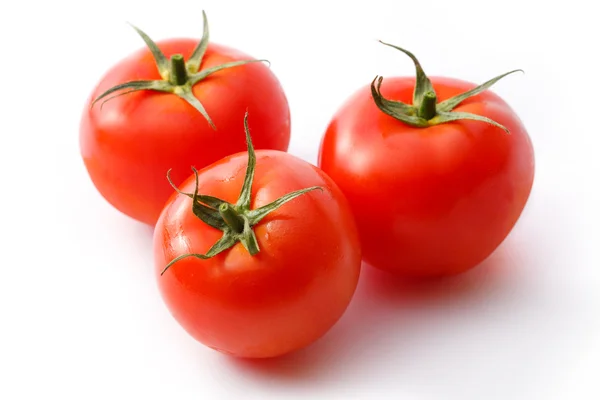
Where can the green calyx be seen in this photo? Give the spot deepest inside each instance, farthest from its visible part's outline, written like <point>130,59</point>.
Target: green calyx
<point>425,110</point>
<point>178,76</point>
<point>236,221</point>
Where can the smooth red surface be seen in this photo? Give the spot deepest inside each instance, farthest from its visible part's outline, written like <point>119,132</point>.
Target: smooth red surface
<point>434,201</point>
<point>130,143</point>
<point>286,296</point>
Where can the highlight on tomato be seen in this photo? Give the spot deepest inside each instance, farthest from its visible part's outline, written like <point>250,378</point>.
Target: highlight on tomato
<point>172,105</point>
<point>437,171</point>
<point>264,261</point>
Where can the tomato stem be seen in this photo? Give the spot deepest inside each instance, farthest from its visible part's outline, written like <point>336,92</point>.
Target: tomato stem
<point>231,217</point>
<point>178,73</point>
<point>425,111</point>
<point>235,221</point>
<point>427,108</point>
<point>177,76</point>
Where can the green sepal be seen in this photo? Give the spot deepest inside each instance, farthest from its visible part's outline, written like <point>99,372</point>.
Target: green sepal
<point>162,64</point>
<point>443,117</point>
<point>451,103</point>
<point>248,238</point>
<point>210,201</point>
<point>133,86</point>
<point>197,77</point>
<point>401,111</point>
<point>246,192</point>
<point>186,94</point>
<point>256,215</point>
<point>195,60</point>
<point>423,84</point>
<point>203,207</point>
<point>224,243</point>
<point>396,106</point>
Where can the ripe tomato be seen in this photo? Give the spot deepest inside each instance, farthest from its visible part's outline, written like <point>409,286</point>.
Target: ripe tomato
<point>434,186</point>
<point>266,274</point>
<point>181,114</point>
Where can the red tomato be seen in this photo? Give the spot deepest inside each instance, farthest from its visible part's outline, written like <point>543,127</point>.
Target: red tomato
<point>269,286</point>
<point>430,198</point>
<point>129,142</point>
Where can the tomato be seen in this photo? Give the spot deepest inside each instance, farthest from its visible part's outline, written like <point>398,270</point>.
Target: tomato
<point>436,177</point>
<point>169,121</point>
<point>264,275</point>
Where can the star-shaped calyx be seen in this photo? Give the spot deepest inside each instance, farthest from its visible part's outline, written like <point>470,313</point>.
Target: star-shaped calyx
<point>178,76</point>
<point>236,221</point>
<point>425,110</point>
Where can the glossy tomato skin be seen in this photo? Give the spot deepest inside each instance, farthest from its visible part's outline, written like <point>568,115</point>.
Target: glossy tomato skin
<point>286,296</point>
<point>429,202</point>
<point>130,142</point>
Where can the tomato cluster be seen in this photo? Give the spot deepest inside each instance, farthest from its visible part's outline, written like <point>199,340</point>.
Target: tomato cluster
<point>258,253</point>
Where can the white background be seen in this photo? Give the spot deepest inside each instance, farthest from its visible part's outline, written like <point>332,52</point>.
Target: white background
<point>80,314</point>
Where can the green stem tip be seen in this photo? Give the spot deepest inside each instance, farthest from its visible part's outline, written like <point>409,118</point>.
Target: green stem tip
<point>237,220</point>
<point>427,107</point>
<point>425,110</point>
<point>178,72</point>
<point>231,217</point>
